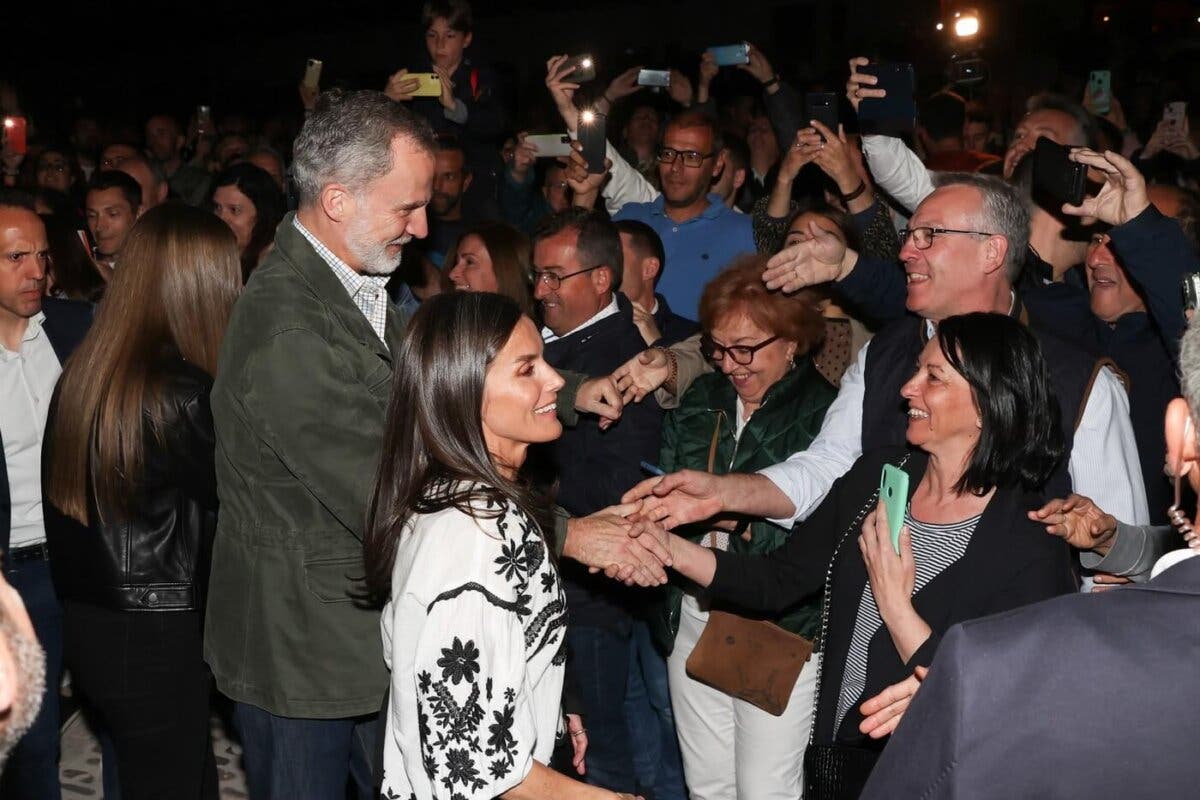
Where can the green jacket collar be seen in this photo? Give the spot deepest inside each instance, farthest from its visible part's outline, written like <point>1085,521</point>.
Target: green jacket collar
<point>781,394</point>
<point>318,275</point>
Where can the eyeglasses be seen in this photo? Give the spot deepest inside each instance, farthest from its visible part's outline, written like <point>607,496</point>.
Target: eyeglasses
<point>553,280</point>
<point>922,238</point>
<point>741,354</point>
<point>691,158</point>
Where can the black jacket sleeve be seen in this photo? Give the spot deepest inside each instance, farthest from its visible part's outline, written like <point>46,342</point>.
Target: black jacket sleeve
<point>876,288</point>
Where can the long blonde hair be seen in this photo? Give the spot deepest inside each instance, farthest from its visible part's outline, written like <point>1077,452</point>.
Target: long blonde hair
<point>175,285</point>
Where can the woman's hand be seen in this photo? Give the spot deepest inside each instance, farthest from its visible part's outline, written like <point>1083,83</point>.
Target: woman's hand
<point>642,374</point>
<point>562,91</point>
<point>579,742</point>
<point>834,157</point>
<point>893,576</point>
<point>884,711</point>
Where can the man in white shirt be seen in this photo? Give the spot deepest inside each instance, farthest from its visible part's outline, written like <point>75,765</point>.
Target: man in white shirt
<point>33,344</point>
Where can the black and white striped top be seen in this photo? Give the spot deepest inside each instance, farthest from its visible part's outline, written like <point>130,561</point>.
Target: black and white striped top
<point>935,547</point>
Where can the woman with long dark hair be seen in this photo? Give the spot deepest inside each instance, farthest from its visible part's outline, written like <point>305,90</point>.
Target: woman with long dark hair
<point>473,630</point>
<point>131,498</point>
<point>248,200</point>
<point>493,257</point>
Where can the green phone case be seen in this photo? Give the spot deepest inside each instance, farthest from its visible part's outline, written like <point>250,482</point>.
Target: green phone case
<point>893,491</point>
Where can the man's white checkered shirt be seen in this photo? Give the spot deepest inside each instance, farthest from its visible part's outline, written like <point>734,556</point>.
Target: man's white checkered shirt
<point>369,292</point>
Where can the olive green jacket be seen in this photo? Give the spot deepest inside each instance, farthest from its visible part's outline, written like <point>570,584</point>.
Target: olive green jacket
<point>787,421</point>
<point>299,405</point>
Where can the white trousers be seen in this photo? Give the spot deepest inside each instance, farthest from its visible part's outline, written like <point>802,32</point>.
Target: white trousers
<point>731,749</point>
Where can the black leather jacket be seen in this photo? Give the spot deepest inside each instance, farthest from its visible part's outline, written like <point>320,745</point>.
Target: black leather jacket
<point>157,560</point>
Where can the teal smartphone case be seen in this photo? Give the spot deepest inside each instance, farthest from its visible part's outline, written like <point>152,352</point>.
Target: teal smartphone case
<point>893,491</point>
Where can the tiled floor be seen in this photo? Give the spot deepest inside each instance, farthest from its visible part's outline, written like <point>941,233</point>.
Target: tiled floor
<point>80,764</point>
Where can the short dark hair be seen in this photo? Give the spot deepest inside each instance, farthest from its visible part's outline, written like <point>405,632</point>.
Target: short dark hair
<point>116,179</point>
<point>842,219</point>
<point>599,243</point>
<point>645,242</point>
<point>449,143</point>
<point>738,150</point>
<point>16,198</point>
<point>348,139</point>
<point>943,115</point>
<point>1021,439</point>
<point>457,14</point>
<point>698,119</point>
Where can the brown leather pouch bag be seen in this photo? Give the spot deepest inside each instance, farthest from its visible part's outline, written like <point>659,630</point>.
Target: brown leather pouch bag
<point>750,659</point>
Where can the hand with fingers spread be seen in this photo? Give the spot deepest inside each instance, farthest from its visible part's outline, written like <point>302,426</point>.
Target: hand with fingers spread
<point>1079,521</point>
<point>859,86</point>
<point>820,258</point>
<point>884,711</point>
<point>1123,194</point>
<point>562,90</point>
<point>607,539</point>
<point>679,498</point>
<point>643,374</point>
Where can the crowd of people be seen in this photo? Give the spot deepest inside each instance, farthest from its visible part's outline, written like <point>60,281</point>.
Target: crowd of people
<point>439,467</point>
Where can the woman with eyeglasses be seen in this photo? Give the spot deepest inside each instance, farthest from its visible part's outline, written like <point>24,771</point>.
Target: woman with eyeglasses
<point>764,402</point>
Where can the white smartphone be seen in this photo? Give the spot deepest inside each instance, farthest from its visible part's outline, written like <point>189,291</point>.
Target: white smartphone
<point>1174,113</point>
<point>550,145</point>
<point>654,77</point>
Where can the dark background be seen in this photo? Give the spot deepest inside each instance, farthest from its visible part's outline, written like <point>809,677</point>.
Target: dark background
<point>123,60</point>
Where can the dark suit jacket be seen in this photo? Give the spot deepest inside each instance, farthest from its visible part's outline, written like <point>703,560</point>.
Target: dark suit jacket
<point>1082,696</point>
<point>1010,562</point>
<point>67,321</point>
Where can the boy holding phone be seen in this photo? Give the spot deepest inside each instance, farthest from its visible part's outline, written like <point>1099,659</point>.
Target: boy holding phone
<point>457,96</point>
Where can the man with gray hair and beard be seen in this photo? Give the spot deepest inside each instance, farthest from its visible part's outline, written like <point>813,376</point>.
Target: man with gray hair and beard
<point>299,408</point>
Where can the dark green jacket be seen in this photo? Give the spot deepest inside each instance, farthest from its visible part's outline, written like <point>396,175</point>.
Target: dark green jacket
<point>299,406</point>
<point>787,422</point>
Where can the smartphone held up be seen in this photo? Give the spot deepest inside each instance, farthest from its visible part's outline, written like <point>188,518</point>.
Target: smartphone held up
<point>592,140</point>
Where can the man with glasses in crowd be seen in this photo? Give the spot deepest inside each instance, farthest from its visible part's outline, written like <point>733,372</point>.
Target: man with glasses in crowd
<point>700,235</point>
<point>578,264</point>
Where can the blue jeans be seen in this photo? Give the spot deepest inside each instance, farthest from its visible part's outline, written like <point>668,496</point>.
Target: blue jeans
<point>599,659</point>
<point>651,724</point>
<point>314,759</point>
<point>32,768</point>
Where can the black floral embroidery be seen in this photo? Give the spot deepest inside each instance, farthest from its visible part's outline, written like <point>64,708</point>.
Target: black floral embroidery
<point>549,582</point>
<point>459,662</point>
<point>501,737</point>
<point>511,561</point>
<point>461,769</point>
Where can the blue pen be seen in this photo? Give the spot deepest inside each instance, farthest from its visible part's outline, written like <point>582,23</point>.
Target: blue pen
<point>653,470</point>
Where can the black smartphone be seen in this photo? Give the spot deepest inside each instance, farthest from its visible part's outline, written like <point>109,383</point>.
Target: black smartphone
<point>592,138</point>
<point>823,107</point>
<point>1055,175</point>
<point>584,69</point>
<point>897,112</point>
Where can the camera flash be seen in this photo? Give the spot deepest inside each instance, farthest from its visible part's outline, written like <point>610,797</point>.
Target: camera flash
<point>8,123</point>
<point>587,62</point>
<point>586,117</point>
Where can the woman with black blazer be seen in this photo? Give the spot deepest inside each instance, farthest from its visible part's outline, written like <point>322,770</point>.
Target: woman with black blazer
<point>986,434</point>
<point>131,499</point>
